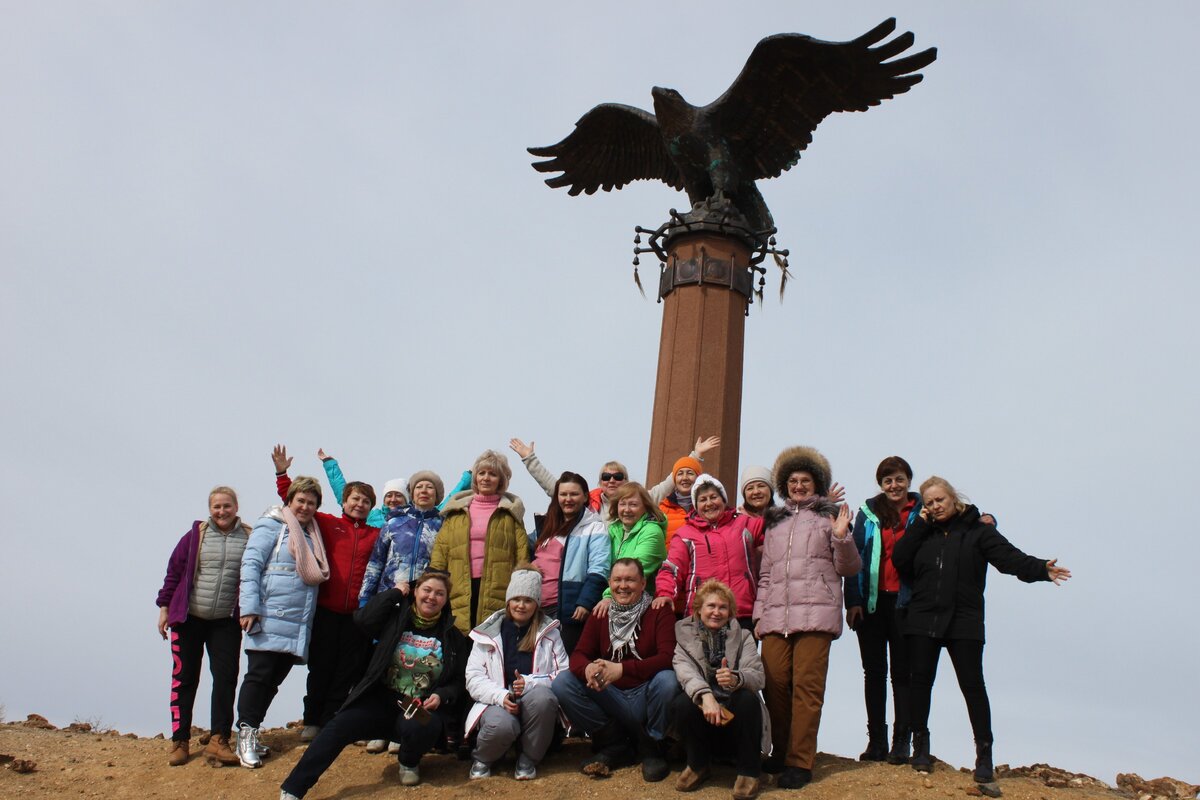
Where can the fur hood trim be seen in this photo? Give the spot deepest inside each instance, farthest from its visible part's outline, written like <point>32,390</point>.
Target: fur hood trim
<point>803,459</point>
<point>462,500</point>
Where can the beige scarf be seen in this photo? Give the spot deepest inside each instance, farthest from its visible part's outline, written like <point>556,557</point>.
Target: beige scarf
<point>311,562</point>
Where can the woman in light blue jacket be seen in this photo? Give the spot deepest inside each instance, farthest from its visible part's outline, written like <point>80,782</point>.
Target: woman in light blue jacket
<point>282,566</point>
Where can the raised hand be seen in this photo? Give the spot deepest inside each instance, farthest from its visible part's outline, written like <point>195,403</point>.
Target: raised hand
<point>280,457</point>
<point>837,492</point>
<point>520,448</point>
<point>1056,573</point>
<point>322,455</point>
<point>704,445</point>
<point>841,525</point>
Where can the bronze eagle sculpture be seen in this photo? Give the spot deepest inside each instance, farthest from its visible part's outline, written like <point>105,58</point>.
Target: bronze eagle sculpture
<point>756,129</point>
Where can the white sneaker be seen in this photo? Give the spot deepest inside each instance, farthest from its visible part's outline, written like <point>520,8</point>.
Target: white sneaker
<point>409,776</point>
<point>526,769</point>
<point>377,745</point>
<point>309,732</point>
<point>479,770</point>
<point>286,795</point>
<point>247,747</point>
<point>393,748</point>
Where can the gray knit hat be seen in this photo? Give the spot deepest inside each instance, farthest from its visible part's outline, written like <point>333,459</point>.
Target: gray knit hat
<point>439,489</point>
<point>525,583</point>
<point>752,474</point>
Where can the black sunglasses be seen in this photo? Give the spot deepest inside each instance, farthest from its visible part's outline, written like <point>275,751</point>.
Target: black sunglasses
<point>612,476</point>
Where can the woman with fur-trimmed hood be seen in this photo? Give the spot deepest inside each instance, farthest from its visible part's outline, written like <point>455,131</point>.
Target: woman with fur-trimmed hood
<point>807,550</point>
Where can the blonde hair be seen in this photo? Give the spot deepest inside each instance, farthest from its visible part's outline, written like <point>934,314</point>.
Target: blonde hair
<point>629,489</point>
<point>498,463</point>
<point>934,480</point>
<point>615,466</point>
<point>223,490</point>
<point>714,586</point>
<point>304,483</point>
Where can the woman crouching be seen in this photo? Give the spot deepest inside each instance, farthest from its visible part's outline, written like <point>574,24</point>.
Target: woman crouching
<point>717,663</point>
<point>517,653</point>
<point>415,676</point>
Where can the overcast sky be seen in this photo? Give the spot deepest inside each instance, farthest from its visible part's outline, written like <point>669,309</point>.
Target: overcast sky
<point>226,225</point>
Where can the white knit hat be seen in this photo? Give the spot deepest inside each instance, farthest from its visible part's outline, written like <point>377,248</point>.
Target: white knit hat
<point>525,583</point>
<point>707,480</point>
<point>396,485</point>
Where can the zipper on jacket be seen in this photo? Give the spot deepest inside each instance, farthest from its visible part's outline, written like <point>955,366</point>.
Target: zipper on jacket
<point>937,591</point>
<point>220,579</point>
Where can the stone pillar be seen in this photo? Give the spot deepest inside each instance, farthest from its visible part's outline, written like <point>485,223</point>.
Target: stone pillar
<point>705,286</point>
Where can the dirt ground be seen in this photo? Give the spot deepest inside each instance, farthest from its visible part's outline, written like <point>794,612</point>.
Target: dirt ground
<point>83,764</point>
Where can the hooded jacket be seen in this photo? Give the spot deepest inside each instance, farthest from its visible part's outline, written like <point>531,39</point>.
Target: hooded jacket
<point>800,580</point>
<point>485,666</point>
<point>401,553</point>
<point>946,564</point>
<point>348,544</point>
<point>863,590</point>
<point>384,618</point>
<point>272,589</point>
<point>182,568</point>
<point>505,545</point>
<point>724,549</point>
<point>583,571</point>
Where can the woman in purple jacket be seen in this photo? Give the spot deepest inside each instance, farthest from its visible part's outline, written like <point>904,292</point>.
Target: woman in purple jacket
<point>198,604</point>
<point>807,550</point>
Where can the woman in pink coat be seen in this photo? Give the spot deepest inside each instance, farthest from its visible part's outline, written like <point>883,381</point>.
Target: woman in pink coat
<point>807,550</point>
<point>717,542</point>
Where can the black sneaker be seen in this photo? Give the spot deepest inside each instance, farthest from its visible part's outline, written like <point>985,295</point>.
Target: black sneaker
<point>794,778</point>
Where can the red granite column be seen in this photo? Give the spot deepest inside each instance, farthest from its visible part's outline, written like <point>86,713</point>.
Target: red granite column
<point>699,387</point>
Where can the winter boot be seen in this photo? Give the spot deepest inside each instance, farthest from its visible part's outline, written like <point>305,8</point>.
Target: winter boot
<point>247,747</point>
<point>218,753</point>
<point>179,753</point>
<point>921,760</point>
<point>901,745</point>
<point>654,763</point>
<point>983,762</point>
<point>877,748</point>
<point>609,751</point>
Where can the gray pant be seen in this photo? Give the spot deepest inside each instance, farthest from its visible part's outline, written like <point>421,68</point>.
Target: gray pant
<point>498,729</point>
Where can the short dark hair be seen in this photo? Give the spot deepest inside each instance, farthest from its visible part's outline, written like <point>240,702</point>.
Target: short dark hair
<point>359,486</point>
<point>889,465</point>
<point>641,571</point>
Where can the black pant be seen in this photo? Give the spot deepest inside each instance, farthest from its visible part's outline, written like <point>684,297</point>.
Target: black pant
<point>374,715</point>
<point>967,657</point>
<point>880,635</point>
<point>742,737</point>
<point>265,671</point>
<point>337,659</point>
<point>223,639</point>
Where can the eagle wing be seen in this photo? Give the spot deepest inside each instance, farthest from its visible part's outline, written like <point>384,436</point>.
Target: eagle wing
<point>611,145</point>
<point>791,82</point>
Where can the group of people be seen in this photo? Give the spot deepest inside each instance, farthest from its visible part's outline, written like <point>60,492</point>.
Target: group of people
<point>630,615</point>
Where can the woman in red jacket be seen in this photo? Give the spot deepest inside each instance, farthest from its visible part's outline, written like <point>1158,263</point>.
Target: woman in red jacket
<point>338,654</point>
<point>716,542</point>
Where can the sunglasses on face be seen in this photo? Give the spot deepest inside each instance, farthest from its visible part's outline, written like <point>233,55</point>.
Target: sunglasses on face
<point>612,476</point>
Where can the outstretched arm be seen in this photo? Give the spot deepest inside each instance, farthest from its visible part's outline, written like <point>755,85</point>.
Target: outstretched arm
<point>536,471</point>
<point>281,460</point>
<point>333,471</point>
<point>660,490</point>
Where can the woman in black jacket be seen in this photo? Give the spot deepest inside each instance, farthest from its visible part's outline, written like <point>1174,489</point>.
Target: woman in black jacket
<point>944,556</point>
<point>414,680</point>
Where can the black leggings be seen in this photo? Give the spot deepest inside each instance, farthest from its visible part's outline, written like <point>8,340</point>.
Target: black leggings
<point>967,657</point>
<point>223,639</point>
<point>265,671</point>
<point>374,715</point>
<point>879,636</point>
<point>741,738</point>
<point>337,659</point>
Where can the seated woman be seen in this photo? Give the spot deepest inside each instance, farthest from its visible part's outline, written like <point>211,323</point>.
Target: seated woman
<point>415,673</point>
<point>719,711</point>
<point>717,542</point>
<point>516,655</point>
<point>613,475</point>
<point>572,550</point>
<point>283,564</point>
<point>621,684</point>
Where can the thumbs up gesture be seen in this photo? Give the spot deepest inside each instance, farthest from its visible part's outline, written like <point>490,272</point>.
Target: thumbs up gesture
<point>727,679</point>
<point>518,684</point>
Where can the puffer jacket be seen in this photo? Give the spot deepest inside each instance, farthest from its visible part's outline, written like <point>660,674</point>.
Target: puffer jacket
<point>741,652</point>
<point>800,580</point>
<point>724,549</point>
<point>272,589</point>
<point>401,553</point>
<point>596,501</point>
<point>583,574</point>
<point>505,546</point>
<point>384,618</point>
<point>676,516</point>
<point>946,563</point>
<point>863,590</point>
<point>645,542</point>
<point>182,568</point>
<point>378,516</point>
<point>485,667</point>
<point>348,543</point>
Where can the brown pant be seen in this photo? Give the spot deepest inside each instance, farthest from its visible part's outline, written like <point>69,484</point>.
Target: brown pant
<point>795,668</point>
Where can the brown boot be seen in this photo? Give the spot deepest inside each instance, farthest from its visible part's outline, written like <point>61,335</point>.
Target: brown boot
<point>689,780</point>
<point>745,788</point>
<point>219,753</point>
<point>179,753</point>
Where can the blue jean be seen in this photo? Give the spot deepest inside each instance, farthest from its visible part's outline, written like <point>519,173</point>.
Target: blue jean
<point>639,707</point>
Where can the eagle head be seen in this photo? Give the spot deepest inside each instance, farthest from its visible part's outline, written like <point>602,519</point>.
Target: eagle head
<point>674,114</point>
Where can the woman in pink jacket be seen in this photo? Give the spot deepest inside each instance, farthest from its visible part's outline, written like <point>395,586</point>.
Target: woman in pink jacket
<point>716,542</point>
<point>807,550</point>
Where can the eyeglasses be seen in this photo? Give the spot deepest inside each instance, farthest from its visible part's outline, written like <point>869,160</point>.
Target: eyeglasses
<point>612,476</point>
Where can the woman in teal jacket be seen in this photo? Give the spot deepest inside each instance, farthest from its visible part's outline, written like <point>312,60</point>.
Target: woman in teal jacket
<point>393,495</point>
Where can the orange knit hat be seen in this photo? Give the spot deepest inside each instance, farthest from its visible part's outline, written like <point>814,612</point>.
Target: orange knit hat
<point>690,463</point>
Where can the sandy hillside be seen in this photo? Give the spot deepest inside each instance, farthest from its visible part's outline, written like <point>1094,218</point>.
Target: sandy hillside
<point>73,763</point>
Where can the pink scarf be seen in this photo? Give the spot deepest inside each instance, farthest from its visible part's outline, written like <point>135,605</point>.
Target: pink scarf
<point>311,562</point>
